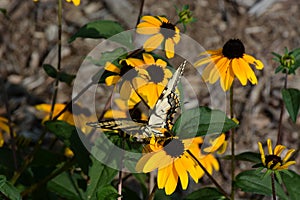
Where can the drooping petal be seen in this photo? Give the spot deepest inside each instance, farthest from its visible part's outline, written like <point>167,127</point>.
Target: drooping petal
<point>169,48</point>
<point>182,173</point>
<point>238,69</point>
<point>212,52</point>
<point>162,176</point>
<point>153,42</point>
<point>249,72</point>
<point>215,144</point>
<point>171,181</point>
<point>206,60</point>
<point>250,59</point>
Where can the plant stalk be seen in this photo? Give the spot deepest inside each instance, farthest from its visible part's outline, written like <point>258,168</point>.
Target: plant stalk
<point>232,145</point>
<point>273,185</point>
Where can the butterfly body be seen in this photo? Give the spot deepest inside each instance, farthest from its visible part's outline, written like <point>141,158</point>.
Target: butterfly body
<point>160,117</point>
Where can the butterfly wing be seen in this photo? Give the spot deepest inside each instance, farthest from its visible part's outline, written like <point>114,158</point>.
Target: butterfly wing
<point>138,130</point>
<point>166,106</point>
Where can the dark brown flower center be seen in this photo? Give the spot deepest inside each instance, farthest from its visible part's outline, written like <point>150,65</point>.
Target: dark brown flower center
<point>234,48</point>
<point>167,30</point>
<point>156,73</point>
<point>174,148</point>
<point>274,158</point>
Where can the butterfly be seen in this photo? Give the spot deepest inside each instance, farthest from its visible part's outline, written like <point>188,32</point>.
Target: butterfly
<point>160,117</point>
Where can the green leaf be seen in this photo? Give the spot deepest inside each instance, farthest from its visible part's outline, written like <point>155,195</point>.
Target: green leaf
<point>107,192</point>
<point>254,182</point>
<point>70,137</point>
<point>291,98</point>
<point>8,190</point>
<point>246,156</point>
<point>292,184</point>
<point>100,175</point>
<point>208,193</point>
<point>98,29</point>
<point>45,158</point>
<point>50,70</point>
<point>201,121</point>
<point>64,186</point>
<point>66,78</point>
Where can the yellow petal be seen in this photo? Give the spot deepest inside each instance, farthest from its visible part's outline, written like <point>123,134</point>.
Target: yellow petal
<point>151,20</point>
<point>162,176</point>
<point>1,140</point>
<point>148,58</point>
<point>146,28</point>
<point>112,80</point>
<point>269,144</point>
<point>262,153</point>
<point>134,62</point>
<point>278,150</point>
<point>250,73</point>
<point>171,181</point>
<point>169,48</point>
<point>239,71</point>
<point>161,63</point>
<point>250,59</point>
<point>206,60</point>
<point>182,172</point>
<point>216,144</point>
<point>212,52</point>
<point>154,161</point>
<point>153,42</point>
<point>163,19</point>
<point>288,155</point>
<point>112,68</point>
<point>287,164</point>
<point>142,161</point>
<point>76,2</point>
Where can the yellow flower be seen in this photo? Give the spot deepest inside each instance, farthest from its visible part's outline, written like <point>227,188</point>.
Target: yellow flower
<point>172,157</point>
<point>228,62</point>
<point>273,160</point>
<point>46,108</point>
<point>3,128</point>
<point>75,2</point>
<point>68,152</point>
<point>163,31</point>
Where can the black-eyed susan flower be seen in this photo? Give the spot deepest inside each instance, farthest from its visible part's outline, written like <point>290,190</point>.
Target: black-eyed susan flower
<point>46,108</point>
<point>75,2</point>
<point>4,128</point>
<point>273,160</point>
<point>172,157</point>
<point>229,62</point>
<point>163,31</point>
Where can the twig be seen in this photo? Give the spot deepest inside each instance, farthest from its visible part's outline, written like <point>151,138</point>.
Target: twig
<point>140,12</point>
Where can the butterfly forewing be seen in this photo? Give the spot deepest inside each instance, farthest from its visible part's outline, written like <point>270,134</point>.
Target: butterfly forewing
<point>161,117</point>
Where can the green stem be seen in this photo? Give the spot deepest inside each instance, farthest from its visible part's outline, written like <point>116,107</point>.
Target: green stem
<point>37,185</point>
<point>279,133</point>
<point>232,145</point>
<point>273,186</point>
<point>210,176</point>
<point>54,97</point>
